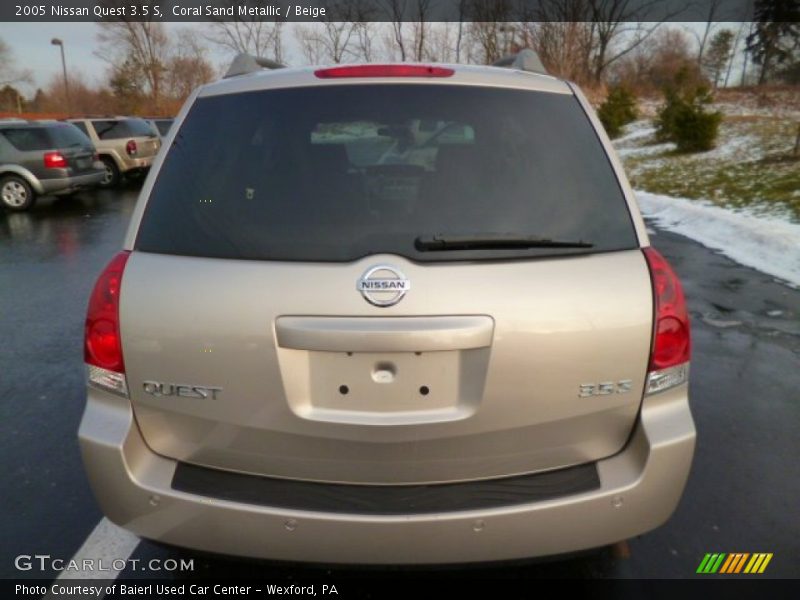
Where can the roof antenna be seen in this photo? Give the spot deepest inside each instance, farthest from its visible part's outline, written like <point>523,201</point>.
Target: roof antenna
<point>524,60</point>
<point>247,63</point>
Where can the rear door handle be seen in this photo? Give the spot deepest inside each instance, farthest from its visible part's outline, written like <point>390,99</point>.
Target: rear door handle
<point>384,334</point>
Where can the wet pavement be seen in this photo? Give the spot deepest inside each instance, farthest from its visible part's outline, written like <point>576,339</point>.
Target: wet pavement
<point>742,494</point>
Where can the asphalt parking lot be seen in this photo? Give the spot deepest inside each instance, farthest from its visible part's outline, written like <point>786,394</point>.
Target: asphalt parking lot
<point>742,495</point>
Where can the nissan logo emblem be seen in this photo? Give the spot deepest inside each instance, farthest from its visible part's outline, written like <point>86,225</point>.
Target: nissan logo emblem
<point>383,285</point>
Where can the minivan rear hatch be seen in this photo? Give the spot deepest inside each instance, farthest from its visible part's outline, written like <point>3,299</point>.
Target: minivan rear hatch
<point>296,306</point>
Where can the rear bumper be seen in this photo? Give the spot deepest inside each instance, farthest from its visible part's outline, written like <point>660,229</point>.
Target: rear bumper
<point>639,489</point>
<point>136,164</point>
<point>65,185</point>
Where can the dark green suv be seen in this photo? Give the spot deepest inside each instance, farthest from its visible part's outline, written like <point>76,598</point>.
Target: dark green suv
<point>44,157</point>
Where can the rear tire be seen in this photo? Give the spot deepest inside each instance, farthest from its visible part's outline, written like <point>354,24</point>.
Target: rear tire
<point>111,177</point>
<point>16,194</point>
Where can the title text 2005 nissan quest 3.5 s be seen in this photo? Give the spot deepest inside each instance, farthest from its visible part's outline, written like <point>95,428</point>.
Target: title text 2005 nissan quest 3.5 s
<point>391,313</point>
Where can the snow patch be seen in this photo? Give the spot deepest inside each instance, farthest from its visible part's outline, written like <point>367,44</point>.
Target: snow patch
<point>770,245</point>
<point>741,147</point>
<point>646,150</point>
<point>636,130</point>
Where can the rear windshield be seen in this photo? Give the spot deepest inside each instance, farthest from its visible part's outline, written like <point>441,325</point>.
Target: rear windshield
<point>48,137</point>
<point>163,126</point>
<point>125,128</point>
<point>336,173</point>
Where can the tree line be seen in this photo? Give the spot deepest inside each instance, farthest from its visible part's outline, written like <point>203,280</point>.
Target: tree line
<point>596,43</point>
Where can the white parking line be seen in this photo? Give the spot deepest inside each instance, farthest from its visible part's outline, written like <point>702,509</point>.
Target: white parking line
<point>107,546</point>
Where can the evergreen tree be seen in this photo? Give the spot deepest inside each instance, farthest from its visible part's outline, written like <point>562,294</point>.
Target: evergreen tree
<point>716,57</point>
<point>39,101</point>
<point>683,118</point>
<point>775,40</point>
<point>618,110</point>
<point>10,99</point>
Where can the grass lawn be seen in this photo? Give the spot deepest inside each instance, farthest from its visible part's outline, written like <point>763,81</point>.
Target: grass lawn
<point>751,166</point>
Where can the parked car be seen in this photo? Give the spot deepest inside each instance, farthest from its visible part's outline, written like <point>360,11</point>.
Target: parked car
<point>126,145</point>
<point>161,125</point>
<point>392,313</point>
<point>44,157</point>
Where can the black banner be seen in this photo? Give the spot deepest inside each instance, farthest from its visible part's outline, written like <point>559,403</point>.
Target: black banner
<point>398,585</point>
<point>377,10</point>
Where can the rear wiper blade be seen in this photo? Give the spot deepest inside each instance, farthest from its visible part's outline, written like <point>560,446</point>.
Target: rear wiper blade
<point>491,241</point>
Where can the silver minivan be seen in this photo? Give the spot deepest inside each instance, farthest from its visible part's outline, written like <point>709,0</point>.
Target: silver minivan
<point>389,314</point>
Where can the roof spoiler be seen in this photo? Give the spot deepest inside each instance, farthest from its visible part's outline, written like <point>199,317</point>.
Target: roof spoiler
<point>524,60</point>
<point>247,63</point>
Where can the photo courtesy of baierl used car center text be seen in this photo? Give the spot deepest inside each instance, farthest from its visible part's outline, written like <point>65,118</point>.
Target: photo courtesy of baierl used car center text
<point>398,298</point>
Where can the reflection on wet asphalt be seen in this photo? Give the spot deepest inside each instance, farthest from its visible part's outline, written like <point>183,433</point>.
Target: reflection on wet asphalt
<point>49,259</point>
<point>742,493</point>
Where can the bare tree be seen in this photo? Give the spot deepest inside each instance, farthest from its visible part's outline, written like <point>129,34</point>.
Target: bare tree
<point>493,29</point>
<point>251,36</point>
<point>421,28</point>
<point>462,13</point>
<point>565,48</point>
<point>364,36</point>
<point>349,32</point>
<point>746,58</point>
<point>671,58</point>
<point>327,41</point>
<point>143,46</point>
<point>442,42</point>
<point>188,67</point>
<point>361,14</point>
<point>397,42</point>
<point>658,62</point>
<point>410,28</point>
<point>734,53</point>
<point>311,44</point>
<point>84,97</point>
<point>620,26</point>
<point>8,72</point>
<point>337,39</point>
<point>581,39</point>
<point>260,38</point>
<point>558,31</point>
<point>711,22</point>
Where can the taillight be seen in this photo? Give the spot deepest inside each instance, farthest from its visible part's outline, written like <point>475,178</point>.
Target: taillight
<point>102,349</point>
<point>384,71</point>
<point>54,160</point>
<point>95,157</point>
<point>131,148</point>
<point>669,356</point>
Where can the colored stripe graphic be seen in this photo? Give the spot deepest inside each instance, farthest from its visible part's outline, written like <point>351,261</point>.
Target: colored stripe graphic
<point>765,563</point>
<point>727,564</point>
<point>758,563</point>
<point>703,563</point>
<point>754,563</point>
<point>716,565</point>
<point>734,563</point>
<point>711,563</point>
<point>741,562</point>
